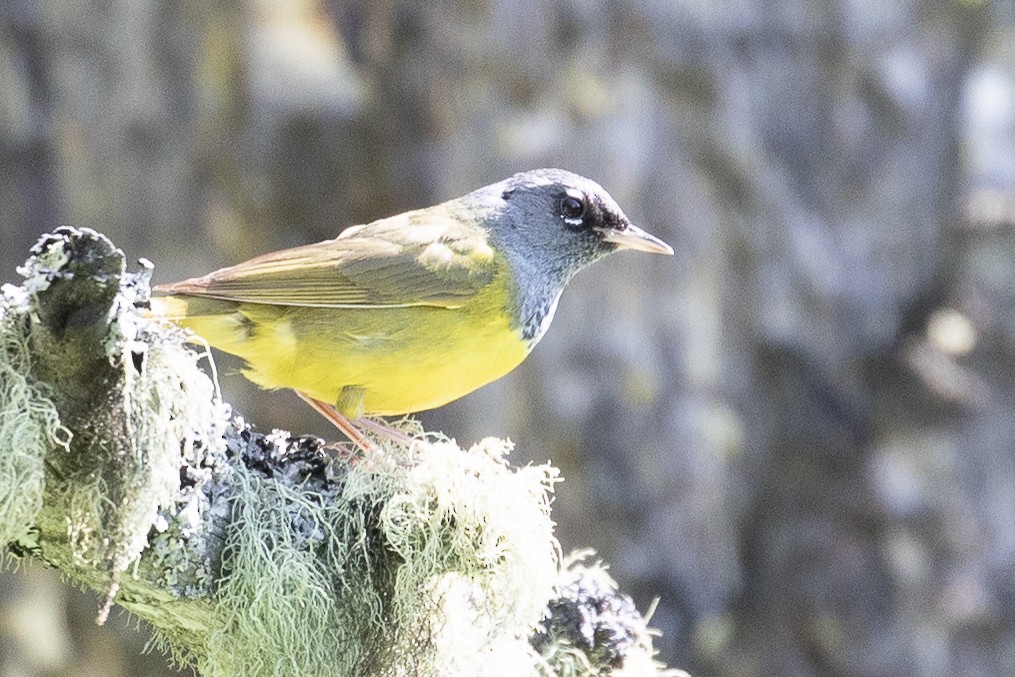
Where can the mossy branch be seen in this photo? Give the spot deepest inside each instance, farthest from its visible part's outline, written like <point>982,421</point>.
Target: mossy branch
<point>262,554</point>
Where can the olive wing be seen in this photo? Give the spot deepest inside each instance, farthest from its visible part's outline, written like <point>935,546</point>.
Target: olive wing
<point>416,258</point>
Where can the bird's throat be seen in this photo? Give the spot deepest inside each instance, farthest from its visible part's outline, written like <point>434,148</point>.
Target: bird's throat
<point>536,319</point>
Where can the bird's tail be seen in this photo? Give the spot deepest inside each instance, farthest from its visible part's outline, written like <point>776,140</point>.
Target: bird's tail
<point>217,322</point>
<point>172,308</point>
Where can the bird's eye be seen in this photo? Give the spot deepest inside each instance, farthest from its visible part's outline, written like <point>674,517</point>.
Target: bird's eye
<point>572,208</point>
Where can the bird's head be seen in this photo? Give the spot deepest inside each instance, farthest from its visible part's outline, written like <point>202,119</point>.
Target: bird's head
<point>557,222</point>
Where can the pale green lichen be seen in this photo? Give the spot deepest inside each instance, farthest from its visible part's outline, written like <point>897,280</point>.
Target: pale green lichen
<point>163,411</point>
<point>471,514</point>
<point>155,412</point>
<point>170,413</point>
<point>434,560</point>
<point>480,556</point>
<point>41,269</point>
<point>29,424</point>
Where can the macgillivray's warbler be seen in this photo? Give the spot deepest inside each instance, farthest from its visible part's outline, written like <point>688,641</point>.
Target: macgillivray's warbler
<point>412,311</point>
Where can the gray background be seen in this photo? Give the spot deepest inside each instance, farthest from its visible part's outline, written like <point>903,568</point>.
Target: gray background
<point>797,433</point>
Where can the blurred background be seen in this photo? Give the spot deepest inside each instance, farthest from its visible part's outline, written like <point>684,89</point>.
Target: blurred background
<point>798,433</point>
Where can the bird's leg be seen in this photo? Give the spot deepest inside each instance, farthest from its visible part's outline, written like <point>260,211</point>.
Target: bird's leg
<point>349,428</point>
<point>339,421</point>
<point>350,405</point>
<point>381,429</point>
<point>351,401</point>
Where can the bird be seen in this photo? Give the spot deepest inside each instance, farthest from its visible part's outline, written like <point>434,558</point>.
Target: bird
<point>409,312</point>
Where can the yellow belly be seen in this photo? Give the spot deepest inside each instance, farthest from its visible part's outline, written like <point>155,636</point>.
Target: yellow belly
<point>404,359</point>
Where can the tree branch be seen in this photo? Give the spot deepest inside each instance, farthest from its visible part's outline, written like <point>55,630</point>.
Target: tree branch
<point>264,554</point>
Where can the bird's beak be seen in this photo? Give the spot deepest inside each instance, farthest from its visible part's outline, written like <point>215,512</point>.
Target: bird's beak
<point>633,237</point>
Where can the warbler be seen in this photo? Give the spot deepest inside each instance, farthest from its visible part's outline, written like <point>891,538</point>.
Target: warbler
<point>412,311</point>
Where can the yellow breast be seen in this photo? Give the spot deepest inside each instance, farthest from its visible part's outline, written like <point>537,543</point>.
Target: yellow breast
<point>405,359</point>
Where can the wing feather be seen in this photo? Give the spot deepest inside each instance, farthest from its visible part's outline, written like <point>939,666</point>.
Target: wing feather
<point>417,258</point>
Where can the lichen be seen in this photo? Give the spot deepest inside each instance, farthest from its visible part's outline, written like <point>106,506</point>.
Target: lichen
<point>591,628</point>
<point>29,424</point>
<point>428,561</point>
